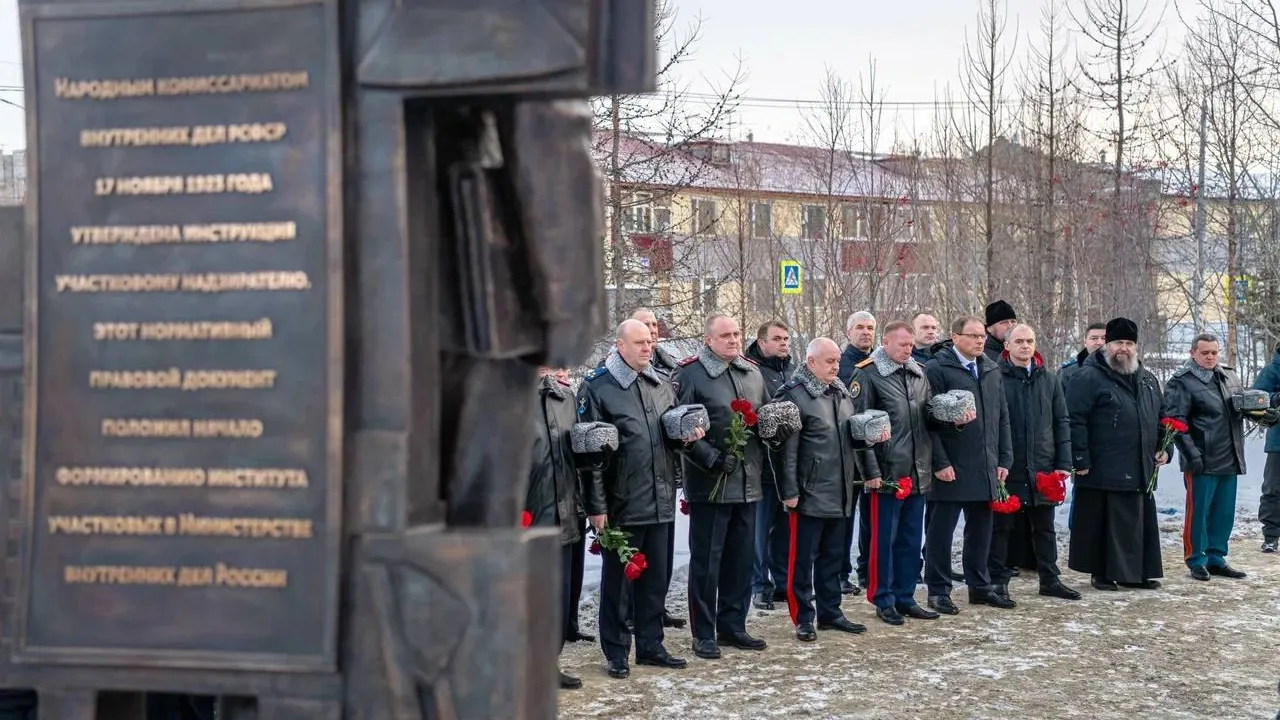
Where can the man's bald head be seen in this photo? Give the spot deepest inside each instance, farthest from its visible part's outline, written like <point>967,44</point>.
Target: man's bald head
<point>635,344</point>
<point>822,357</point>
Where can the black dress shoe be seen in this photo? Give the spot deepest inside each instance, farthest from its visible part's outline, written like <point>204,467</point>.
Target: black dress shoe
<point>1015,572</point>
<point>780,595</point>
<point>1227,571</point>
<point>843,625</point>
<point>847,588</point>
<point>619,669</point>
<point>671,621</point>
<point>664,660</point>
<point>631,627</point>
<point>915,611</point>
<point>992,599</point>
<point>578,636</point>
<point>1001,589</point>
<point>1144,585</point>
<point>1058,590</point>
<point>764,601</point>
<point>890,615</point>
<point>569,682</point>
<point>1101,583</point>
<point>957,576</point>
<point>706,649</point>
<point>943,604</point>
<point>1200,573</point>
<point>805,633</point>
<point>863,582</point>
<point>741,640</point>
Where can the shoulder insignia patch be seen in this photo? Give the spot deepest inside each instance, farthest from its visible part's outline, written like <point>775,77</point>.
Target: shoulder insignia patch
<point>1181,371</point>
<point>748,359</point>
<point>1068,363</point>
<point>593,373</point>
<point>688,361</point>
<point>582,405</point>
<point>855,388</point>
<point>864,363</point>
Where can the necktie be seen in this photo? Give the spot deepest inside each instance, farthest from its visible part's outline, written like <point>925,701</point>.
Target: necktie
<point>973,370</point>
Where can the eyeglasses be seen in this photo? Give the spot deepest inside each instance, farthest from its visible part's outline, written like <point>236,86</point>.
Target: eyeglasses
<point>972,336</point>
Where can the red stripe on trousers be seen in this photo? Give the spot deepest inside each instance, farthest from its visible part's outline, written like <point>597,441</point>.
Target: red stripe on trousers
<point>1186,523</point>
<point>792,606</point>
<point>873,557</point>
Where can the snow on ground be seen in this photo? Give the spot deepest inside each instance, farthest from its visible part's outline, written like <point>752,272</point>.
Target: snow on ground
<point>1187,650</point>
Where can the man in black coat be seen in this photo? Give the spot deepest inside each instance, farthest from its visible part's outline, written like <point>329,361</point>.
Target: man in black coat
<point>1114,405</point>
<point>722,489</point>
<point>860,329</point>
<point>817,472</point>
<point>893,382</point>
<point>1041,433</point>
<point>635,492</point>
<point>1000,319</point>
<point>552,496</point>
<point>1212,455</point>
<point>666,364</point>
<point>925,332</point>
<point>1094,338</point>
<point>969,461</point>
<point>771,352</point>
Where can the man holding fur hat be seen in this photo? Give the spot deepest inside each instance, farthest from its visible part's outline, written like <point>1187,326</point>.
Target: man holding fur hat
<point>722,484</point>
<point>634,491</point>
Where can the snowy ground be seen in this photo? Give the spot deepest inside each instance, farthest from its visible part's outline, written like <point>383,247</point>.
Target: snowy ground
<point>1188,650</point>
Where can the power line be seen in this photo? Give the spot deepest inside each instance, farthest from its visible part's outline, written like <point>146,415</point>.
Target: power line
<point>9,102</point>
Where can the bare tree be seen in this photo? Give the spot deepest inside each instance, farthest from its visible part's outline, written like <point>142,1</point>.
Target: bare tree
<point>643,141</point>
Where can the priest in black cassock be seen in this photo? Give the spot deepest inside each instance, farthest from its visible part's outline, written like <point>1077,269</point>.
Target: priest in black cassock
<point>1114,403</point>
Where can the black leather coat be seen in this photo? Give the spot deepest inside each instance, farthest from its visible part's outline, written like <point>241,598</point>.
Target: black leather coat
<point>977,449</point>
<point>637,487</point>
<point>1214,444</point>
<point>705,379</point>
<point>776,372</point>
<point>1115,426</point>
<point>818,465</point>
<point>903,394</point>
<point>1038,426</point>
<point>552,496</point>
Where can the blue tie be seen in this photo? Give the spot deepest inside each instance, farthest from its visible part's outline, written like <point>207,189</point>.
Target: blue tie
<point>973,370</point>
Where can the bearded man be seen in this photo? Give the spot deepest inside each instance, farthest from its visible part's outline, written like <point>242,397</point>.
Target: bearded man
<point>1114,405</point>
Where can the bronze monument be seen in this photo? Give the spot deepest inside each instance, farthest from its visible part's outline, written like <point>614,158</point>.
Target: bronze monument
<point>290,265</point>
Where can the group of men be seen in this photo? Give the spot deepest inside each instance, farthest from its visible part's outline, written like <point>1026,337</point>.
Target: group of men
<point>774,518</point>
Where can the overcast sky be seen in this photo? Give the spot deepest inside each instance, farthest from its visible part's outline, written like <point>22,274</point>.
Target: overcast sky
<point>785,47</point>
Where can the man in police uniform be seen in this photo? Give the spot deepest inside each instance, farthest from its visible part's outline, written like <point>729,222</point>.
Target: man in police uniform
<point>722,490</point>
<point>1212,455</point>
<point>552,495</point>
<point>817,471</point>
<point>634,492</point>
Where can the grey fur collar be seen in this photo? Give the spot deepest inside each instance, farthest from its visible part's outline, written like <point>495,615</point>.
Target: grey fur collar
<point>623,373</point>
<point>815,386</point>
<point>1206,376</point>
<point>715,366</point>
<point>887,366</point>
<point>551,386</point>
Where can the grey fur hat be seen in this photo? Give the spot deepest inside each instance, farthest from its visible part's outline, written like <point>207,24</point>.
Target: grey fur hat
<point>587,438</point>
<point>1246,400</point>
<point>680,422</point>
<point>774,415</point>
<point>952,405</point>
<point>870,426</point>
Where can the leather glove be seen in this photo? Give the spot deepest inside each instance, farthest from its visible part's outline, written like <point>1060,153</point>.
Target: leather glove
<point>1195,466</point>
<point>1266,418</point>
<point>597,461</point>
<point>780,437</point>
<point>727,462</point>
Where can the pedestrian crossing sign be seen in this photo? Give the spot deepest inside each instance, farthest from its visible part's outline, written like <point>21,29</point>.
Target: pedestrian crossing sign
<point>792,282</point>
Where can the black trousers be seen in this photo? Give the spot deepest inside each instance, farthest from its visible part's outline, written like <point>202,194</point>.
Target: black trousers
<point>864,535</point>
<point>1006,541</point>
<point>722,539</point>
<point>814,567</point>
<point>1269,504</point>
<point>977,545</point>
<point>671,562</point>
<point>648,593</point>
<point>568,610</point>
<point>573,574</point>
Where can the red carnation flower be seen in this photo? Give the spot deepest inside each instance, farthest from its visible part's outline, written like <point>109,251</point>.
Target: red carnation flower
<point>595,547</point>
<point>1174,425</point>
<point>641,560</point>
<point>684,506</point>
<point>750,418</point>
<point>904,488</point>
<point>633,571</point>
<point>740,406</point>
<point>526,519</point>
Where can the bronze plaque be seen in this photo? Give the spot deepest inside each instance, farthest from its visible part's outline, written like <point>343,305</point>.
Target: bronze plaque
<point>185,379</point>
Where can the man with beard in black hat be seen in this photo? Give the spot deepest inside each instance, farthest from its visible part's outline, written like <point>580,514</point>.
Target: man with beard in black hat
<point>1000,318</point>
<point>1114,405</point>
